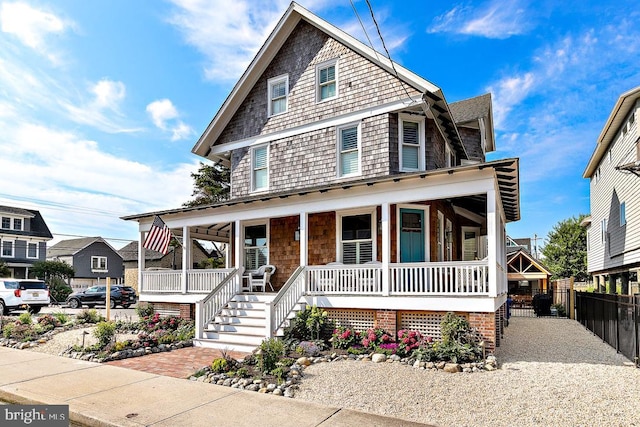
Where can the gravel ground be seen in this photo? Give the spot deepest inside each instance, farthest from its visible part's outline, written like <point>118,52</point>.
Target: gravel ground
<point>553,372</point>
<point>64,340</point>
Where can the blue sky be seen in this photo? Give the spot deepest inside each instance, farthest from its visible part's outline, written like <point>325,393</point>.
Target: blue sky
<point>102,101</point>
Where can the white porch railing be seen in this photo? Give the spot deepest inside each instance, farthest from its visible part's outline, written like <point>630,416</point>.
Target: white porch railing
<point>170,281</point>
<point>440,278</point>
<point>285,301</point>
<point>365,279</point>
<point>212,304</point>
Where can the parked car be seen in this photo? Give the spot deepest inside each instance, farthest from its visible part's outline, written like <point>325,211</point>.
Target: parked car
<point>130,295</point>
<point>97,295</point>
<point>29,294</point>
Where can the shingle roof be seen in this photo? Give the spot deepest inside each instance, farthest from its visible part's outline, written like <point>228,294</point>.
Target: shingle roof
<point>129,252</point>
<point>471,109</point>
<point>71,246</point>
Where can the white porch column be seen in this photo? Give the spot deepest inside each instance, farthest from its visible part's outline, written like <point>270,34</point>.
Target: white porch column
<point>385,223</point>
<point>227,252</point>
<point>186,253</point>
<point>140,261</point>
<point>236,243</point>
<point>492,230</point>
<point>304,241</point>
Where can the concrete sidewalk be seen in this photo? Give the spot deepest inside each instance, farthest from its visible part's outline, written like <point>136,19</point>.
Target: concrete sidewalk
<point>103,395</point>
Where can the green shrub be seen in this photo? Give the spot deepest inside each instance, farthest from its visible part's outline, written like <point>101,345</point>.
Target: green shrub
<point>271,350</point>
<point>458,342</point>
<point>562,311</point>
<point>104,333</point>
<point>242,373</point>
<point>59,289</point>
<point>47,322</point>
<point>280,373</point>
<point>144,309</point>
<point>25,318</point>
<point>19,331</point>
<point>89,316</point>
<point>62,317</point>
<point>220,365</point>
<point>309,324</point>
<point>7,330</point>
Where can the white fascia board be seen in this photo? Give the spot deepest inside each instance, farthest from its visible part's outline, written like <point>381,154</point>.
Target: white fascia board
<point>321,124</point>
<point>172,298</point>
<point>459,184</point>
<point>458,303</point>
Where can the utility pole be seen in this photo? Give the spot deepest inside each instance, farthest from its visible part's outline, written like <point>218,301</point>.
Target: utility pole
<point>535,244</point>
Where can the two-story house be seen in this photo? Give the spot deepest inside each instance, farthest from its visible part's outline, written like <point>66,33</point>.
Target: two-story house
<point>613,229</point>
<point>354,177</point>
<point>23,239</point>
<point>93,259</point>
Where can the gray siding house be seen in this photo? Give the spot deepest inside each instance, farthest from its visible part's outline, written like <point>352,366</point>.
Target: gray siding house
<point>23,239</point>
<point>613,229</point>
<point>357,181</point>
<point>92,258</point>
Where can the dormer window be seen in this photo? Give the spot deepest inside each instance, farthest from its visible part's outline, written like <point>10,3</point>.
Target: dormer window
<point>6,222</point>
<point>17,224</point>
<point>278,88</point>
<point>411,143</point>
<point>327,78</point>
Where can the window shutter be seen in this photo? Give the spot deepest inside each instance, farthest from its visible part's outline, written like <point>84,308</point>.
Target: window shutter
<point>349,148</point>
<point>410,145</point>
<point>410,133</point>
<point>260,158</point>
<point>349,252</point>
<point>260,174</point>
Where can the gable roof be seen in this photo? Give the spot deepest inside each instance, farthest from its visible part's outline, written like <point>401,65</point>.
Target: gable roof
<point>73,246</point>
<point>470,111</point>
<point>38,228</point>
<point>432,97</point>
<point>523,253</point>
<point>618,115</point>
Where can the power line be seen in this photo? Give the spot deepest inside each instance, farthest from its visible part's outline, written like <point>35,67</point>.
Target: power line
<point>63,206</point>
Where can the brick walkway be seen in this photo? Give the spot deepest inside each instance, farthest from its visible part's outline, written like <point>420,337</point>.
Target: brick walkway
<point>180,363</point>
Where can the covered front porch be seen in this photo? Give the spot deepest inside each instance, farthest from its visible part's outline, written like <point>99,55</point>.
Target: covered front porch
<point>430,241</point>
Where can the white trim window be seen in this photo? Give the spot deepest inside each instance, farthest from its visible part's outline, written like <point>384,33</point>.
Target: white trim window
<point>7,249</point>
<point>278,94</point>
<point>411,143</point>
<point>448,239</point>
<point>6,222</point>
<point>256,246</point>
<point>349,150</point>
<point>99,263</point>
<point>440,236</point>
<point>32,250</point>
<point>356,238</point>
<point>623,214</point>
<point>327,80</point>
<point>603,231</point>
<point>260,168</point>
<point>17,224</point>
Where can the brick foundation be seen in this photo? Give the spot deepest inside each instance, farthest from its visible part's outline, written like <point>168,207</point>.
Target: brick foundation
<point>486,326</point>
<point>184,311</point>
<point>387,320</point>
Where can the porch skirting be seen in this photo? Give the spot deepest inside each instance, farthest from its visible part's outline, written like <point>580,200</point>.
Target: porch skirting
<point>182,310</point>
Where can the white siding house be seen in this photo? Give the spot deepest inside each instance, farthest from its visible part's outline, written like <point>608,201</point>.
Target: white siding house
<point>613,247</point>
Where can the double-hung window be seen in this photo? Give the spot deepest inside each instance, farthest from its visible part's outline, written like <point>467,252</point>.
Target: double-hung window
<point>17,224</point>
<point>259,168</point>
<point>98,263</point>
<point>327,80</point>
<point>32,250</point>
<point>278,88</point>
<point>411,138</point>
<point>6,222</point>
<point>349,150</point>
<point>356,238</point>
<point>623,213</point>
<point>7,248</point>
<point>256,250</point>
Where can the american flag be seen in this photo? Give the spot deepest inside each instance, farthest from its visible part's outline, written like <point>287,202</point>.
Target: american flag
<point>158,237</point>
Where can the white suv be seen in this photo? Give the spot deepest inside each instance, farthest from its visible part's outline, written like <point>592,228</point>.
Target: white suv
<point>27,294</point>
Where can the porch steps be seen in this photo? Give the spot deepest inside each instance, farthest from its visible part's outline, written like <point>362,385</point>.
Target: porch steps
<point>241,325</point>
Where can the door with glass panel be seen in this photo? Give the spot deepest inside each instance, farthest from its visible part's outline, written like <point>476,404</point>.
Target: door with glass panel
<point>412,235</point>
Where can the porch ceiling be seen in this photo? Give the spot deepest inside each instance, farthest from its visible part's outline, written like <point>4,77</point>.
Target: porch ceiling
<point>506,171</point>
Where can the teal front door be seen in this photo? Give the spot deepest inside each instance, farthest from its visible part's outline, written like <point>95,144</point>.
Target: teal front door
<point>411,235</point>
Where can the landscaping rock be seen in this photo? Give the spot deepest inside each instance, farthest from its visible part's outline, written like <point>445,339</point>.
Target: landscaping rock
<point>452,368</point>
<point>378,358</point>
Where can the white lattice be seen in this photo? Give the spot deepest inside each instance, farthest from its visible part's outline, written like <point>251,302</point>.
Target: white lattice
<point>428,323</point>
<point>359,320</point>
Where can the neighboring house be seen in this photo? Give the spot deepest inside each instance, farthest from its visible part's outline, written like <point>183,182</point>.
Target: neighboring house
<point>613,229</point>
<point>359,182</point>
<point>172,260</point>
<point>526,274</point>
<point>23,239</point>
<point>92,259</point>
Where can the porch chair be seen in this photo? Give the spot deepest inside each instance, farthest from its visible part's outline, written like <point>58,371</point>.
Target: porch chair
<point>261,278</point>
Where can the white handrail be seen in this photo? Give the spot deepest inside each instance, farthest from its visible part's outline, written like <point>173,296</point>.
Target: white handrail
<point>364,279</point>
<point>440,278</point>
<point>279,308</point>
<point>212,304</point>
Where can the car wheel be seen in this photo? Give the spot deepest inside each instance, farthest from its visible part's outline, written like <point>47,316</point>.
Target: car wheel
<point>34,310</point>
<point>3,308</point>
<point>113,304</point>
<point>126,305</point>
<point>74,303</point>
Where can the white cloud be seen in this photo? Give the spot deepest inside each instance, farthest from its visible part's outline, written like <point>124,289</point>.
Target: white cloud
<point>509,93</point>
<point>108,94</point>
<point>32,26</point>
<point>164,115</point>
<point>497,19</point>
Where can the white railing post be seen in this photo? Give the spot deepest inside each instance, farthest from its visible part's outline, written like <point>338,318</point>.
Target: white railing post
<point>269,319</point>
<point>386,247</point>
<point>199,322</point>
